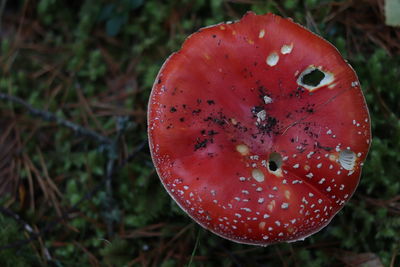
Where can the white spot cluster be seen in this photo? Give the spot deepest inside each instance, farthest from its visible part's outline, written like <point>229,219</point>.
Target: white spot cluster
<point>250,215</point>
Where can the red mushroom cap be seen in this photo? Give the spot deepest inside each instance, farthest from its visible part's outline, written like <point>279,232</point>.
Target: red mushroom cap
<point>258,129</point>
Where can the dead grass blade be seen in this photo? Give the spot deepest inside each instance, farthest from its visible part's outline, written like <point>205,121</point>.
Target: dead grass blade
<point>9,147</point>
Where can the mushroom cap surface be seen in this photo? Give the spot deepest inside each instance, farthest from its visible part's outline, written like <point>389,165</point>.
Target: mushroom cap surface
<point>258,129</point>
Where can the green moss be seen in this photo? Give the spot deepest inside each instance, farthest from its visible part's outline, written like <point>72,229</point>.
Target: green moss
<point>17,256</point>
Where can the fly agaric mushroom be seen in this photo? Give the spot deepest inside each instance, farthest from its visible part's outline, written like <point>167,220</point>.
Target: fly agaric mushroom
<point>258,129</point>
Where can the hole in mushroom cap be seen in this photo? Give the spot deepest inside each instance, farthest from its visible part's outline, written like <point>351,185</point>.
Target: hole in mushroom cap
<point>275,161</point>
<point>313,78</point>
<point>272,166</point>
<point>347,159</point>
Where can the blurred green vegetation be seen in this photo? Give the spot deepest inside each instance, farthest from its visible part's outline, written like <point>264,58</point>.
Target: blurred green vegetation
<point>93,62</point>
